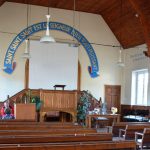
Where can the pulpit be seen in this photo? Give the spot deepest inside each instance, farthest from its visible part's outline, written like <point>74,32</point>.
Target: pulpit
<point>25,111</point>
<point>58,101</point>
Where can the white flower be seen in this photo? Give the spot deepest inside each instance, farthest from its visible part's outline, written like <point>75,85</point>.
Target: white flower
<point>114,110</point>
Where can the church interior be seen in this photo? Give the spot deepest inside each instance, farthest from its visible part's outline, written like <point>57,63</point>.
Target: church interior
<point>74,74</point>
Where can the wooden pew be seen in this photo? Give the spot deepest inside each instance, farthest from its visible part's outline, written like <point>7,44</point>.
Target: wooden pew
<point>19,139</point>
<point>105,145</point>
<point>39,124</point>
<point>122,125</point>
<point>9,122</point>
<point>129,131</point>
<point>48,132</point>
<point>143,139</point>
<point>36,127</point>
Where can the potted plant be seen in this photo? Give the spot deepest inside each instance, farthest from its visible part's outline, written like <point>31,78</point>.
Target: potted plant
<point>38,103</point>
<point>83,107</point>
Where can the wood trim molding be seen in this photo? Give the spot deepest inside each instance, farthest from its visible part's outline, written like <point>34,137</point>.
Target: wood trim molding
<point>79,77</point>
<point>144,24</point>
<point>26,82</point>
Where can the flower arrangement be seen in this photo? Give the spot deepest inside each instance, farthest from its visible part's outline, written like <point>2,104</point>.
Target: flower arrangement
<point>114,110</point>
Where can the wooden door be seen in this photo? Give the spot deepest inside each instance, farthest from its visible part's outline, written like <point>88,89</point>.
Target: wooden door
<point>112,96</point>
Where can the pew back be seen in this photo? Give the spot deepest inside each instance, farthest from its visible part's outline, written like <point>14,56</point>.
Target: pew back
<point>36,127</point>
<point>48,132</point>
<point>19,139</point>
<point>105,145</point>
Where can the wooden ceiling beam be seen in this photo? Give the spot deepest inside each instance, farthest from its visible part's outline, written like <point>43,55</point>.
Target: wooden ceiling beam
<point>2,2</point>
<point>144,23</point>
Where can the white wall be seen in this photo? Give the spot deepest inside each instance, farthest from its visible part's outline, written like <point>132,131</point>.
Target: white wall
<point>97,31</point>
<point>93,27</point>
<point>134,60</point>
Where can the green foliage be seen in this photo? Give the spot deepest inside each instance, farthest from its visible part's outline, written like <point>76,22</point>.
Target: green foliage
<point>37,101</point>
<point>83,107</point>
<point>33,99</point>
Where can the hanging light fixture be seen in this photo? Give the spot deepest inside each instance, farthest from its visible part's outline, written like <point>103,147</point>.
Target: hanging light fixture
<point>47,38</point>
<point>74,43</point>
<point>120,60</point>
<point>26,54</point>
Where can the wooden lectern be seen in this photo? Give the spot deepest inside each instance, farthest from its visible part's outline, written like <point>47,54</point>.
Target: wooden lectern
<point>25,111</point>
<point>59,86</point>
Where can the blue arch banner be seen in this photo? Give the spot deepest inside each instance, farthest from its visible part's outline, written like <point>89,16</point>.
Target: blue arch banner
<point>9,65</point>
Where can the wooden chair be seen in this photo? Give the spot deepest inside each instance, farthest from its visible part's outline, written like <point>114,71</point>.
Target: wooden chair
<point>122,125</point>
<point>129,131</point>
<point>143,139</point>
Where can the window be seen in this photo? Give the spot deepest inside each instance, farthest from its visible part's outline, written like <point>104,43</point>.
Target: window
<point>139,87</point>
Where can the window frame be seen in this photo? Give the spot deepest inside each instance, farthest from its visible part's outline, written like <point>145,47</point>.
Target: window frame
<point>135,85</point>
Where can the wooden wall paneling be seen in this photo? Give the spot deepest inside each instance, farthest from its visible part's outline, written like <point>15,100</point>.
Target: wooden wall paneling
<point>25,111</point>
<point>56,100</point>
<point>144,22</point>
<point>84,5</point>
<point>132,32</point>
<point>125,108</point>
<point>35,92</point>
